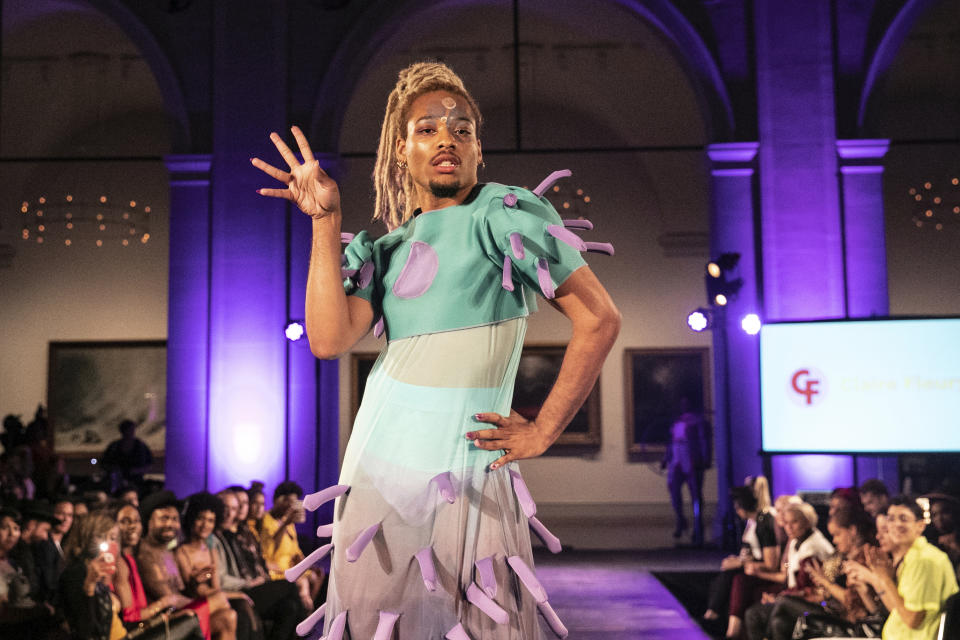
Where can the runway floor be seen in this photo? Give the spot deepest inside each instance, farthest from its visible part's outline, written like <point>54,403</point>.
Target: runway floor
<point>615,596</point>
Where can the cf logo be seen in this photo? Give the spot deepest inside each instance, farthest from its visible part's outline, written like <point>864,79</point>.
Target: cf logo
<point>807,384</point>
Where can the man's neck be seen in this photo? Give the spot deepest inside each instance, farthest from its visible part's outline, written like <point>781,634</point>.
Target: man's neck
<point>429,202</point>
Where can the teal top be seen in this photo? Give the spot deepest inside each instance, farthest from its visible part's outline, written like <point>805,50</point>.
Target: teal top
<point>459,267</point>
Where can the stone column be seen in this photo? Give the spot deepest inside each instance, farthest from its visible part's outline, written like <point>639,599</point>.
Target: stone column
<point>188,324</point>
<point>735,354</point>
<point>865,255</point>
<point>865,251</point>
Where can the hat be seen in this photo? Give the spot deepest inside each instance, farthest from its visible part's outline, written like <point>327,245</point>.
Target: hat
<point>158,500</point>
<point>39,510</point>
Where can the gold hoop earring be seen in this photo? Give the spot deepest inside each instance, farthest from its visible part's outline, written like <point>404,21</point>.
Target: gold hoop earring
<point>401,165</point>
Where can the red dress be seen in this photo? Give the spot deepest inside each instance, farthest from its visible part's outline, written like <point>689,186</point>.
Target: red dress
<point>132,613</point>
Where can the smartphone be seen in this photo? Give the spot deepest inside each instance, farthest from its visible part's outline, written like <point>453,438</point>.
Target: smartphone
<point>107,555</point>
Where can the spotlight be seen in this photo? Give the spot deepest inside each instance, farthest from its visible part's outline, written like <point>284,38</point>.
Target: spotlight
<point>294,330</point>
<point>721,288</point>
<point>751,324</point>
<point>699,319</point>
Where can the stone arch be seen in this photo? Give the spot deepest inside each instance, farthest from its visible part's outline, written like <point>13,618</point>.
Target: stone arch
<point>387,18</point>
<point>887,49</point>
<point>166,78</point>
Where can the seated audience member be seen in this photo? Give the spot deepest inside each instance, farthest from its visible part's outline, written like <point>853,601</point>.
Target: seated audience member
<point>20,615</point>
<point>80,508</point>
<point>759,545</point>
<point>89,605</point>
<point>197,563</point>
<point>48,554</point>
<point>942,531</point>
<point>278,539</point>
<point>129,587</point>
<point>875,497</point>
<point>159,571</point>
<point>915,582</point>
<point>806,545</point>
<point>128,495</point>
<point>248,538</point>
<point>833,607</point>
<point>274,600</point>
<point>748,587</point>
<point>37,521</point>
<point>844,498</point>
<point>258,507</point>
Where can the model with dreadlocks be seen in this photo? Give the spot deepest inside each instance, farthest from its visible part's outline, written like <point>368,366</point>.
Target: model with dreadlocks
<point>430,537</point>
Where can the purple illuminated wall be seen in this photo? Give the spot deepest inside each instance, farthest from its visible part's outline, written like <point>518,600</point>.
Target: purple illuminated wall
<point>244,403</point>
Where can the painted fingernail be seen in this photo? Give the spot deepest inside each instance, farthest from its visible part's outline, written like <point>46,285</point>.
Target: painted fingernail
<point>477,416</point>
<point>476,442</point>
<point>471,435</point>
<point>493,466</point>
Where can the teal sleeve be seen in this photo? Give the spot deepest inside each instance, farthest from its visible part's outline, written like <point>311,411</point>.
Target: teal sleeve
<point>526,237</point>
<point>358,268</point>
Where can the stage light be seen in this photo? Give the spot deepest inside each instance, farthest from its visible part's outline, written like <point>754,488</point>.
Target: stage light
<point>721,287</point>
<point>751,324</point>
<point>294,330</point>
<point>699,319</point>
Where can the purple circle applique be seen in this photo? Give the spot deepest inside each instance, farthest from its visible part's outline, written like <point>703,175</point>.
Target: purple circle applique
<point>418,272</point>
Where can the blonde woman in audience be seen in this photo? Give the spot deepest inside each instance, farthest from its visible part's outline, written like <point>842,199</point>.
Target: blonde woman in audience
<point>759,545</point>
<point>806,545</point>
<point>915,582</point>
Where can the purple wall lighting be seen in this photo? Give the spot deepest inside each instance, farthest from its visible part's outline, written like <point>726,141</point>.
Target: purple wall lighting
<point>793,474</point>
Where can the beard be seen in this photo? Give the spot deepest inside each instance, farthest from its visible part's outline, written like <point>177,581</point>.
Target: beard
<point>441,190</point>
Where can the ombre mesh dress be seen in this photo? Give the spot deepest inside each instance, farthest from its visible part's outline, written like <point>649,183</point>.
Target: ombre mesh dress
<point>426,541</point>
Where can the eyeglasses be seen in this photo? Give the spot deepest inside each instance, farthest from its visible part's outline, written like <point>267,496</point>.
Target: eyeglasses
<point>903,519</point>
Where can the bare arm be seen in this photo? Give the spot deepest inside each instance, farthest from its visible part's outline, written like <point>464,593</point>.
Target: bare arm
<point>596,323</point>
<point>335,322</point>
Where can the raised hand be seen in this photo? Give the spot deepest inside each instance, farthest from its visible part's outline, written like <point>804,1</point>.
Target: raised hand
<point>519,437</point>
<point>307,185</point>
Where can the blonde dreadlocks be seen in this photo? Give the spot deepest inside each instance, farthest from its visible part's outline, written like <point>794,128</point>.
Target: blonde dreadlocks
<point>396,198</point>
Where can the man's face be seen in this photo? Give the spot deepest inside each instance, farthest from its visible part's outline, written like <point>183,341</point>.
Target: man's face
<point>943,518</point>
<point>873,503</point>
<point>243,505</point>
<point>903,527</point>
<point>283,502</point>
<point>441,148</point>
<point>130,526</point>
<point>64,511</point>
<point>230,508</point>
<point>164,524</point>
<point>41,531</point>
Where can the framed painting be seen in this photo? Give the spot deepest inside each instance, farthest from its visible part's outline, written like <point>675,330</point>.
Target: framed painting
<point>361,363</point>
<point>660,384</point>
<point>93,386</point>
<point>536,374</point>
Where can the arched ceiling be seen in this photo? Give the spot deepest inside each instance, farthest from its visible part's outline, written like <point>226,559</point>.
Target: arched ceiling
<point>590,80</point>
<point>75,85</point>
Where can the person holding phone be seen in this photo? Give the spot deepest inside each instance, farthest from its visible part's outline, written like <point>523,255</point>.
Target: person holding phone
<point>89,604</point>
<point>278,539</point>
